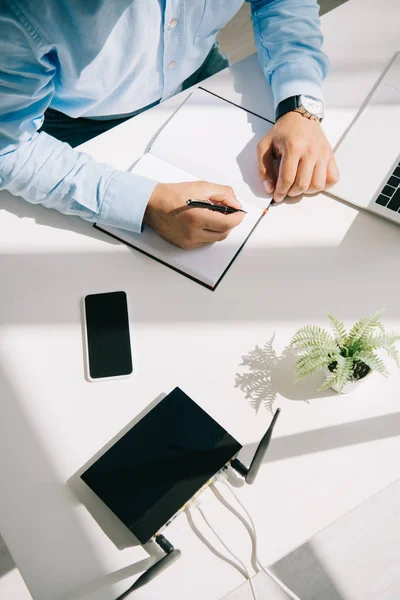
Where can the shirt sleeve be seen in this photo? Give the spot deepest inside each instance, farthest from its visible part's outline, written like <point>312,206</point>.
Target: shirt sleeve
<point>289,40</point>
<point>40,168</point>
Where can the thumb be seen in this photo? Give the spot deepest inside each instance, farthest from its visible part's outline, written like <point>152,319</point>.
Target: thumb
<point>266,166</point>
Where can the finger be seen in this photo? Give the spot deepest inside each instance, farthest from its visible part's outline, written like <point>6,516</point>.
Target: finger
<point>287,175</point>
<point>318,179</point>
<point>198,219</point>
<point>223,194</point>
<point>222,199</point>
<point>304,175</point>
<point>215,221</point>
<point>332,174</point>
<point>266,167</point>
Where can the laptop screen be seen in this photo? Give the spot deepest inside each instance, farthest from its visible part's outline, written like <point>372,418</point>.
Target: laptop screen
<point>160,463</point>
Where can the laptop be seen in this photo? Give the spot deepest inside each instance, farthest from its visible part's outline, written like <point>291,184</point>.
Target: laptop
<point>368,155</point>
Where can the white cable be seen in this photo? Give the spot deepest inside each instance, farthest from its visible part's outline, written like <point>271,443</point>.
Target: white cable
<point>217,553</point>
<point>249,577</point>
<point>270,574</point>
<point>267,571</point>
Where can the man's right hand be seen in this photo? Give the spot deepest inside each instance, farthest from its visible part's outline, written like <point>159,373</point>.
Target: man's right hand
<point>187,227</point>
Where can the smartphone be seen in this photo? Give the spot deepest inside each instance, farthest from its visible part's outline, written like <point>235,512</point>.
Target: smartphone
<point>107,339</point>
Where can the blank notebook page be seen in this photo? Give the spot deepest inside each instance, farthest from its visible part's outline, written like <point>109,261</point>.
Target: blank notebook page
<point>206,264</point>
<point>217,141</point>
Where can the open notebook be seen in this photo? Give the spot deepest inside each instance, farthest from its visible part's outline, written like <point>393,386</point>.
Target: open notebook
<point>211,139</point>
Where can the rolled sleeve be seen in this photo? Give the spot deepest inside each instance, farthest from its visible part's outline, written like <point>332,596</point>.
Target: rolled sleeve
<point>289,46</point>
<point>293,79</point>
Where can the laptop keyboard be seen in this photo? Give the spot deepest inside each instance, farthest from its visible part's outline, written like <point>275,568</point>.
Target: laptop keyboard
<point>390,194</point>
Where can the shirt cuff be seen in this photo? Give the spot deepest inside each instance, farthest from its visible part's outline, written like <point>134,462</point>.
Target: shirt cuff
<point>294,79</point>
<point>125,201</point>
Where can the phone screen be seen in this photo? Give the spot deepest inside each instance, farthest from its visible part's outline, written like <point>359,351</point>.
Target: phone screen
<point>107,333</point>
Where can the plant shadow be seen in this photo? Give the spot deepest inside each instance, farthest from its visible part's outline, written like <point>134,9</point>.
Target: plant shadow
<point>270,374</point>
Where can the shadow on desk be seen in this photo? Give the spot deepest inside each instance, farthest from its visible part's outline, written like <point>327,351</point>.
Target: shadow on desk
<point>328,438</point>
<point>265,374</point>
<point>353,278</point>
<point>305,574</point>
<point>49,218</point>
<point>44,517</point>
<point>115,530</point>
<point>353,558</point>
<point>6,562</point>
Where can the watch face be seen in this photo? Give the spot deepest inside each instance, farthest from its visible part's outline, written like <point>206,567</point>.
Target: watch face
<point>312,105</point>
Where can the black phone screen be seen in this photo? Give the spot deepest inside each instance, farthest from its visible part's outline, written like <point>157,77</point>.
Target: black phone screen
<point>107,330</point>
<point>160,463</point>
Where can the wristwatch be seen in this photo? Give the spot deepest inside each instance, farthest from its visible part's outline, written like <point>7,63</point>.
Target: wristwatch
<point>308,106</point>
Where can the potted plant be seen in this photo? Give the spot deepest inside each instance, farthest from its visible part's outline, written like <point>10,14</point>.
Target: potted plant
<point>347,358</point>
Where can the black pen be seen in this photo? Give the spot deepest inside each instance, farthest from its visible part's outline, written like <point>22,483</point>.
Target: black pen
<point>216,207</point>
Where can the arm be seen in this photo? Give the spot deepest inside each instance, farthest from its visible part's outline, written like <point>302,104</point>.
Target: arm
<point>46,171</point>
<point>289,41</point>
<point>40,168</point>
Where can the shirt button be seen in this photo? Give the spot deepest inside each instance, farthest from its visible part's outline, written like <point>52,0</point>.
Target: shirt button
<point>171,64</point>
<point>173,23</point>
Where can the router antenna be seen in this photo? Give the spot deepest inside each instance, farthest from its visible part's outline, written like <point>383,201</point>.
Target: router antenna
<point>250,473</point>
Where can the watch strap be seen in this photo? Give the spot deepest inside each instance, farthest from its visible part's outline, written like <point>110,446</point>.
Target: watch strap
<point>288,105</point>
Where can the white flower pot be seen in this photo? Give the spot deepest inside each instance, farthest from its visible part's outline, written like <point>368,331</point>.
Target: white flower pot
<point>350,386</point>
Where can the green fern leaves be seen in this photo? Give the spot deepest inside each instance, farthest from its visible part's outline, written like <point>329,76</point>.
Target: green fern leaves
<point>347,356</point>
<point>365,326</point>
<point>373,362</point>
<point>341,374</point>
<point>310,336</point>
<point>339,330</point>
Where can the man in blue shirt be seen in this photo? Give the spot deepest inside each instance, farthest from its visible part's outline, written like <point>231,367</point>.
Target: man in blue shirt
<point>97,60</point>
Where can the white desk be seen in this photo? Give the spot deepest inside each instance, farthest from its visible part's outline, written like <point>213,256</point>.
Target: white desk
<point>354,558</point>
<point>305,260</point>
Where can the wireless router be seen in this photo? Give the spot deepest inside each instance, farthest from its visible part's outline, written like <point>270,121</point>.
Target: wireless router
<point>161,464</point>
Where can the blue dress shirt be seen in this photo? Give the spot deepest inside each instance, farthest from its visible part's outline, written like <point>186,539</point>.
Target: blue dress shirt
<point>102,58</point>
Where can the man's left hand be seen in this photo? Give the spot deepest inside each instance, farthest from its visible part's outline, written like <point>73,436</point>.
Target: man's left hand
<point>307,164</point>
